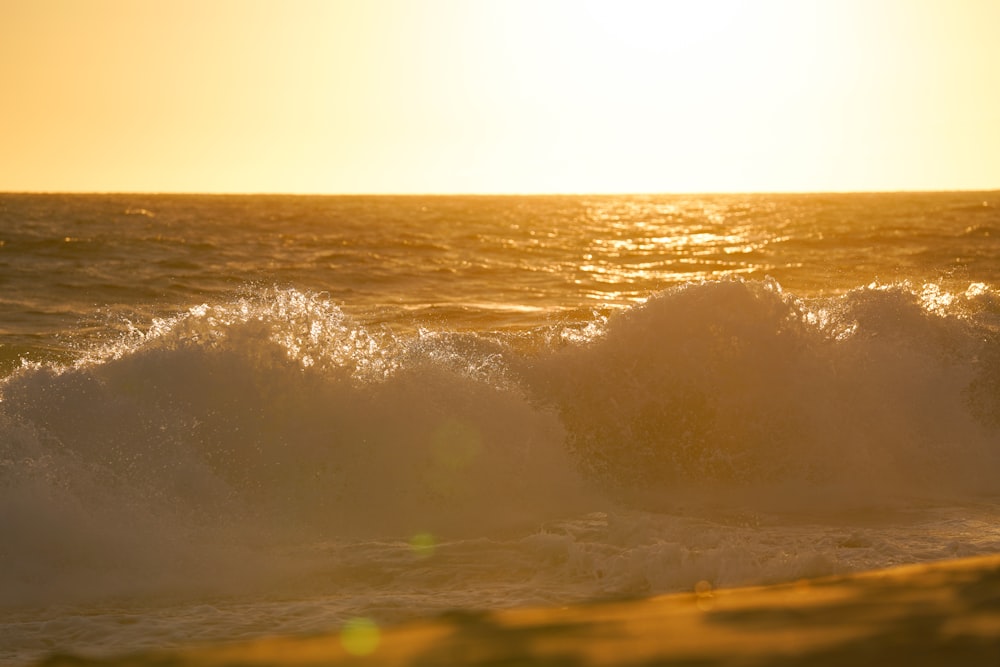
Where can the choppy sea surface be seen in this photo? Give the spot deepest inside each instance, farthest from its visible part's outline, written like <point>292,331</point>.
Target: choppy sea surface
<point>224,417</point>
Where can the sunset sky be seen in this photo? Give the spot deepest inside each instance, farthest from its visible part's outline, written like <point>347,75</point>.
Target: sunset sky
<point>511,96</point>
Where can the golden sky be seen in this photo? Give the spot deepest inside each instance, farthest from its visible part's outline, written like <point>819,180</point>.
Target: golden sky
<point>512,96</point>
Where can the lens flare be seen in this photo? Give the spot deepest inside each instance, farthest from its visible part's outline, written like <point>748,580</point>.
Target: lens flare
<point>360,636</point>
<point>423,545</point>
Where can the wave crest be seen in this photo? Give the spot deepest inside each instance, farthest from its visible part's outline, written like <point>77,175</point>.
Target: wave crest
<point>277,419</point>
<point>728,385</point>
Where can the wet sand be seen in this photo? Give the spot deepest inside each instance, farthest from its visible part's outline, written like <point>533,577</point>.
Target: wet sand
<point>945,613</point>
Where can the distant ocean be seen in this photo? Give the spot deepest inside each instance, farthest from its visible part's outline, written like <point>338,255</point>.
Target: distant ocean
<point>225,417</point>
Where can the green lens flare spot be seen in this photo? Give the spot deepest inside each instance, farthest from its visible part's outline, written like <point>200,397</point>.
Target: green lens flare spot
<point>423,545</point>
<point>360,636</point>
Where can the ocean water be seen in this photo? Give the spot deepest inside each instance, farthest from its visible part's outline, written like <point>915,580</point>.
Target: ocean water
<point>225,417</point>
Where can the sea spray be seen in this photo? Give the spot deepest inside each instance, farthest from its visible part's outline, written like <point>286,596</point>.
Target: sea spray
<point>735,387</point>
<point>272,443</point>
<point>224,423</point>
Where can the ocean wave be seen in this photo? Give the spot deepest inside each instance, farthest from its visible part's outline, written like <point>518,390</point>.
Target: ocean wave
<point>276,419</point>
<point>738,387</point>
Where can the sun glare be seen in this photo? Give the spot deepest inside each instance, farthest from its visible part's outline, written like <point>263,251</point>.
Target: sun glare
<point>501,95</point>
<point>656,28</point>
<point>653,96</point>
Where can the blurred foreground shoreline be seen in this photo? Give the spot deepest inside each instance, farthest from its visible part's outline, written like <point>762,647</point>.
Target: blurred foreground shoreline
<point>946,612</point>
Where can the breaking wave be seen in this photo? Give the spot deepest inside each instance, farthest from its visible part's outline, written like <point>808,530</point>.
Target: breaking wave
<point>192,447</point>
<point>739,388</point>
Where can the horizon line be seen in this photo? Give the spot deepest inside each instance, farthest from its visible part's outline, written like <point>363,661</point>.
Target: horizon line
<point>636,193</point>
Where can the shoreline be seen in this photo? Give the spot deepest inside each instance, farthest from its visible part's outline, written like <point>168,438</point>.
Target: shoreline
<point>944,612</point>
